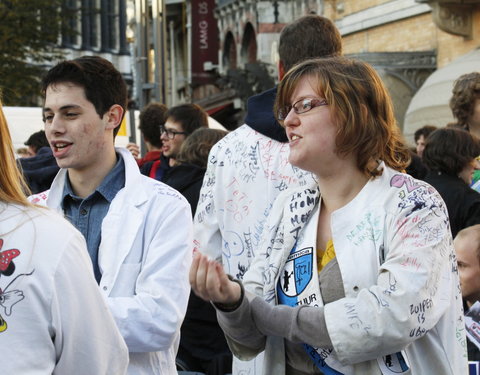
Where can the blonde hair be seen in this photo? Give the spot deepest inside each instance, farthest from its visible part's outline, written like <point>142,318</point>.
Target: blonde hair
<point>13,188</point>
<point>361,107</point>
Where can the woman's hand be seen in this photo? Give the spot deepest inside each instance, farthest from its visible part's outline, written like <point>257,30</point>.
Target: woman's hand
<point>210,282</point>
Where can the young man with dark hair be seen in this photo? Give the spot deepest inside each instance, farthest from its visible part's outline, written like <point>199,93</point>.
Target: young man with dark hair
<point>151,118</point>
<point>40,168</point>
<point>249,167</point>
<point>138,230</point>
<point>182,120</point>
<point>35,142</point>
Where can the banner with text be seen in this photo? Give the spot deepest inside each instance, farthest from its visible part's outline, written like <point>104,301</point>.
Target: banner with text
<point>204,41</point>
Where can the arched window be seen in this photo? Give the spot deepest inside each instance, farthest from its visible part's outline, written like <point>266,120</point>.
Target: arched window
<point>249,45</point>
<point>229,52</point>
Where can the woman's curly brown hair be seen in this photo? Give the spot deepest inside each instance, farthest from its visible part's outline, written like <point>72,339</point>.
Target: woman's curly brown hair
<point>466,90</point>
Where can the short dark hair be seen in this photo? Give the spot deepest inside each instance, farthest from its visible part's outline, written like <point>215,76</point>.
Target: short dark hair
<point>195,148</point>
<point>103,84</point>
<point>466,90</point>
<point>37,140</point>
<point>449,150</point>
<point>151,117</point>
<point>308,37</point>
<point>425,131</point>
<point>191,116</point>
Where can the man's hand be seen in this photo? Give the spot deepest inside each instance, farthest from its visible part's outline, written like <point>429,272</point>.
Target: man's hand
<point>210,282</point>
<point>134,149</point>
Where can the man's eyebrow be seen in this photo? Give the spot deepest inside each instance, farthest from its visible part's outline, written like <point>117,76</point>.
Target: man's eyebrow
<point>63,108</point>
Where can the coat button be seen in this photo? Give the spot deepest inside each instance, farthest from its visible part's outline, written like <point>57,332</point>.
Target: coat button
<point>105,288</point>
<point>355,288</point>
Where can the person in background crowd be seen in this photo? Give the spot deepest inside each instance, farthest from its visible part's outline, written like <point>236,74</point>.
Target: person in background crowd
<point>343,278</point>
<point>138,230</point>
<point>420,137</point>
<point>465,102</point>
<point>203,347</point>
<point>187,173</point>
<point>151,118</point>
<point>450,157</point>
<point>249,167</point>
<point>181,121</point>
<point>416,168</point>
<point>41,167</point>
<point>465,106</point>
<point>22,152</point>
<point>35,142</point>
<point>53,319</point>
<point>467,248</point>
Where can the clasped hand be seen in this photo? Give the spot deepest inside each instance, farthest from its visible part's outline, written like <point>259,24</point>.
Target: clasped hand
<point>210,282</point>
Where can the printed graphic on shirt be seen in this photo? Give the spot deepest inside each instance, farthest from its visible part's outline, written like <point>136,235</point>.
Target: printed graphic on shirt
<point>296,275</point>
<point>393,364</point>
<point>8,298</point>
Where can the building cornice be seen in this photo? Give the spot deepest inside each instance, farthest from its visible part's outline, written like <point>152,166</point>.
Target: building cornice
<point>379,15</point>
<point>453,16</point>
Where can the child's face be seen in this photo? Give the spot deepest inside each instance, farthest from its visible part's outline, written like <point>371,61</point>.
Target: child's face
<point>468,267</point>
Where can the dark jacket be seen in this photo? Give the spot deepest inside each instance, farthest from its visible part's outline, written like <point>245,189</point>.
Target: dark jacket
<point>187,179</point>
<point>39,170</point>
<point>463,203</point>
<point>416,168</point>
<point>202,343</point>
<point>260,116</point>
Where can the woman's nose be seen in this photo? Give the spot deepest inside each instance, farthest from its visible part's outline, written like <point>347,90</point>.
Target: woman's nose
<point>292,119</point>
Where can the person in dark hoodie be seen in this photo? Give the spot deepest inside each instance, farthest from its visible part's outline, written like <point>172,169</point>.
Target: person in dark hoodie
<point>41,168</point>
<point>249,167</point>
<point>181,121</point>
<point>203,347</point>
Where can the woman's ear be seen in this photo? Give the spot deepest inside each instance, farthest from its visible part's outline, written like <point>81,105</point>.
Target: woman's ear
<point>114,116</point>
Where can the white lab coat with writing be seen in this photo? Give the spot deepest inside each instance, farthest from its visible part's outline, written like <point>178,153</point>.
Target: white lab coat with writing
<point>394,250</point>
<point>144,257</point>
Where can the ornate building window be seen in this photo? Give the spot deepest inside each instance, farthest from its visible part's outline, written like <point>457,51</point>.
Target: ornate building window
<point>71,23</point>
<point>249,45</point>
<point>229,52</point>
<point>110,25</point>
<point>91,24</point>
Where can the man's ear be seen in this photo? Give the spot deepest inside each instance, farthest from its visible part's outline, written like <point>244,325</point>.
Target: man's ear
<point>113,116</point>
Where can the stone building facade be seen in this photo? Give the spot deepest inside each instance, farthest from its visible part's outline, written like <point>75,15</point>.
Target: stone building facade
<point>405,40</point>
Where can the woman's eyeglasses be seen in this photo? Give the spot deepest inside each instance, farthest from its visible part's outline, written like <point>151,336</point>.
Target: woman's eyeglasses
<point>302,106</point>
<point>170,133</point>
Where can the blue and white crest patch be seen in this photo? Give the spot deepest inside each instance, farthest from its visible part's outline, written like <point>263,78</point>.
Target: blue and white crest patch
<point>297,272</point>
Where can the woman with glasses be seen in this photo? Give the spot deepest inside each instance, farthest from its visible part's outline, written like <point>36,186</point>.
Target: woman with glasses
<point>53,319</point>
<point>357,273</point>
